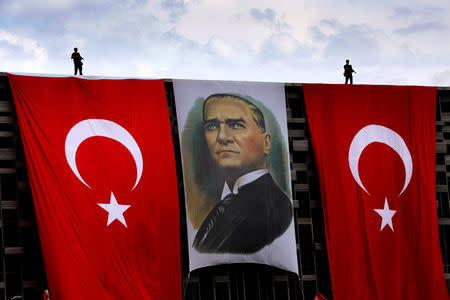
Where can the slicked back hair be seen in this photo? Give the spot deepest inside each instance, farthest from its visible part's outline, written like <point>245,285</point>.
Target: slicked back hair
<point>257,114</point>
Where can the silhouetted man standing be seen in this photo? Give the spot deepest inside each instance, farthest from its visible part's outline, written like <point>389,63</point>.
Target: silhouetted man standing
<point>348,72</point>
<point>78,64</point>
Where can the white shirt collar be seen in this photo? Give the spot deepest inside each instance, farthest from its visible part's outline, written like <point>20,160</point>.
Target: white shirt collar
<point>243,180</point>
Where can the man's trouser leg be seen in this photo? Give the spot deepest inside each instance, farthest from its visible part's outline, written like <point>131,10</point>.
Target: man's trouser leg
<point>78,67</point>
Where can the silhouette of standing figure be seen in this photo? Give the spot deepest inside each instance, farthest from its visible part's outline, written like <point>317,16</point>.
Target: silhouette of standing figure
<point>348,72</point>
<point>78,64</point>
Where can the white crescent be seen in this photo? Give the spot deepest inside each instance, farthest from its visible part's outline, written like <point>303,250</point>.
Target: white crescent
<point>380,134</point>
<point>104,128</point>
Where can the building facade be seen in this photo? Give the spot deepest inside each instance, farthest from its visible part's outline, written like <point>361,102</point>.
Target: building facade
<point>22,272</point>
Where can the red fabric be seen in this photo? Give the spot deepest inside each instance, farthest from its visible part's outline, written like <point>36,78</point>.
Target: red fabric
<point>84,257</point>
<point>366,262</point>
<point>319,296</point>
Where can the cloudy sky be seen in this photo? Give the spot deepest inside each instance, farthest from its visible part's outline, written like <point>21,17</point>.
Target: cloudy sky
<point>387,41</point>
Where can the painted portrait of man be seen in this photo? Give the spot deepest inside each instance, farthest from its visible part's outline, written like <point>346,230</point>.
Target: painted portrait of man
<point>252,210</point>
<point>236,173</point>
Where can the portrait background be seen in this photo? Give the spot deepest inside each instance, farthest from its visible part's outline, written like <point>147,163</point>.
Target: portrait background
<point>202,183</point>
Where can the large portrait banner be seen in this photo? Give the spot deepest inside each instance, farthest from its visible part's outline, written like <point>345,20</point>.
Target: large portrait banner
<point>233,138</point>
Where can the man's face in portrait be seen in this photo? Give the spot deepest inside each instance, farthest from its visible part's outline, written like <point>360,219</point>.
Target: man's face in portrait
<point>235,134</point>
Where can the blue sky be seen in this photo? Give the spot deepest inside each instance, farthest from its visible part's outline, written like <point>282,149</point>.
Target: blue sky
<point>387,42</point>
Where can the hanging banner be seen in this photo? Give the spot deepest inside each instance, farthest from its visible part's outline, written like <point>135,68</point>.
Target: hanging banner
<point>375,151</point>
<point>101,166</point>
<point>234,147</point>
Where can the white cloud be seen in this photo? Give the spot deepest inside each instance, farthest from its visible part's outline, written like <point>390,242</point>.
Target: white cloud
<point>48,7</point>
<point>280,46</point>
<point>442,78</point>
<point>286,43</point>
<point>19,53</point>
<point>25,6</point>
<point>221,47</point>
<point>400,42</point>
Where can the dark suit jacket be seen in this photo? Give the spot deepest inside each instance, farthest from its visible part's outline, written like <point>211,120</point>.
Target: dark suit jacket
<point>246,222</point>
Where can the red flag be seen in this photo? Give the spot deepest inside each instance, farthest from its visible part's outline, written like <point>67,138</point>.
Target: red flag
<point>101,166</point>
<point>375,152</point>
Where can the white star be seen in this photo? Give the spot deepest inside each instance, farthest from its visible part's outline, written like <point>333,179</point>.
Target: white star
<point>115,210</point>
<point>386,215</point>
